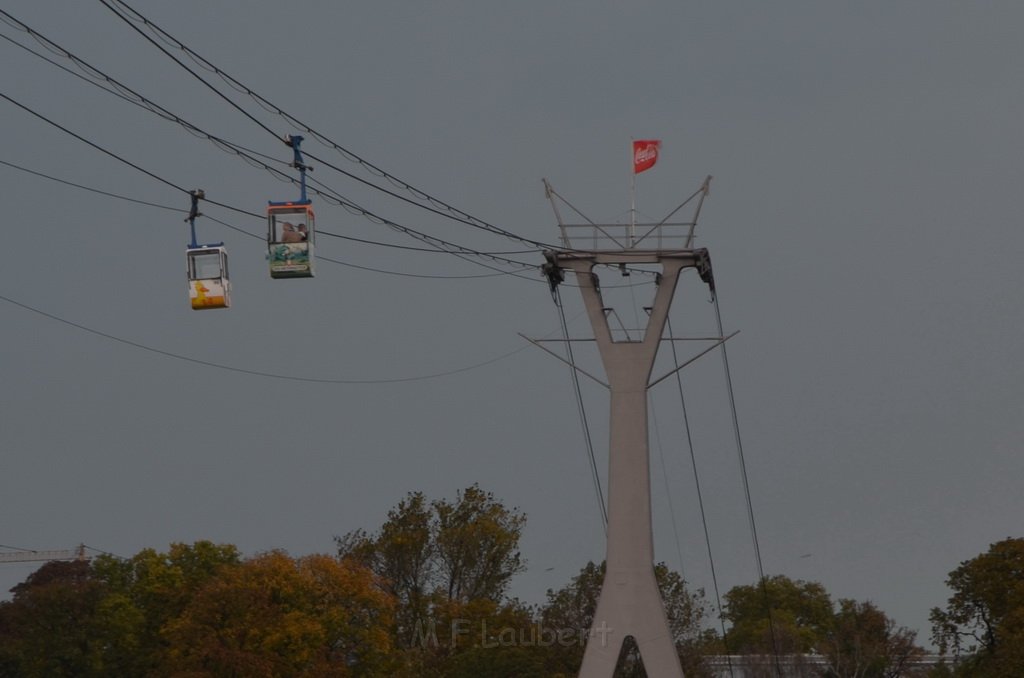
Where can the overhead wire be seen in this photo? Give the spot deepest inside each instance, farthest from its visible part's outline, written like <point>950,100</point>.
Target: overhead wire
<point>746,485</point>
<point>696,482</point>
<point>467,218</point>
<point>125,92</point>
<point>94,145</point>
<point>257,373</point>
<point>668,491</point>
<point>455,213</point>
<point>128,94</point>
<point>120,90</point>
<point>438,243</point>
<point>99,78</point>
<point>582,411</point>
<point>261,237</point>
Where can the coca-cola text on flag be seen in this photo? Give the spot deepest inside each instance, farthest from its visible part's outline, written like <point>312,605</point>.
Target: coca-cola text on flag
<point>645,154</point>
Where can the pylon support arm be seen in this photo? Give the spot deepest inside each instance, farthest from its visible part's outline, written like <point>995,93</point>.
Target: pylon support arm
<point>693,359</point>
<point>575,367</point>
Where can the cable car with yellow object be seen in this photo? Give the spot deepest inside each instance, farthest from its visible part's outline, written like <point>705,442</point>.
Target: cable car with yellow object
<point>207,267</point>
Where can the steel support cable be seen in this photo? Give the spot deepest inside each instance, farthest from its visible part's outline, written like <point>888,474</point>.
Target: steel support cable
<point>103,553</point>
<point>123,91</point>
<point>116,156</point>
<point>661,451</point>
<point>440,212</point>
<point>333,197</point>
<point>668,490</point>
<point>438,243</point>
<point>191,72</point>
<point>96,146</point>
<point>746,486</point>
<point>128,94</point>
<point>556,295</point>
<point>261,237</point>
<point>93,190</point>
<point>696,482</point>
<point>257,373</point>
<point>456,213</point>
<point>98,78</point>
<point>136,99</point>
<point>18,548</point>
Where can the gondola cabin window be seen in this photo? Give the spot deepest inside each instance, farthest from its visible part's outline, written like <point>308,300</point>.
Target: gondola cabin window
<point>290,235</point>
<point>205,266</point>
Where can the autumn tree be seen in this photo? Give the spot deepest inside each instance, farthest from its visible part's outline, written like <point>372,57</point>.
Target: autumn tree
<point>865,643</point>
<point>402,554</point>
<point>779,615</point>
<point>448,564</point>
<point>426,554</point>
<point>62,621</point>
<point>276,616</point>
<point>982,624</point>
<point>159,585</point>
<point>786,617</point>
<point>477,545</point>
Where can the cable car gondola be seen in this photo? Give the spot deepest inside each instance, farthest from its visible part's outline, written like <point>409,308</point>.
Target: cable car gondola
<point>291,228</point>
<point>207,268</point>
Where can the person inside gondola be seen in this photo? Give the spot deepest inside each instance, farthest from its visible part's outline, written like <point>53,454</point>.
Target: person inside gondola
<point>291,233</point>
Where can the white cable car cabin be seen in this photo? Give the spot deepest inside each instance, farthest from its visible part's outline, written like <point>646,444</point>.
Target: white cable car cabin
<point>290,235</point>
<point>208,284</point>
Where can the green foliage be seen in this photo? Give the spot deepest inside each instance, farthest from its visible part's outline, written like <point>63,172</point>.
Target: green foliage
<point>780,615</point>
<point>983,622</point>
<point>864,642</point>
<point>62,622</point>
<point>197,610</point>
<point>425,597</point>
<point>447,564</point>
<point>429,555</point>
<point>160,585</point>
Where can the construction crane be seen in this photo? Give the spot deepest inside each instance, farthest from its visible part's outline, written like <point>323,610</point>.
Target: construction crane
<point>27,556</point>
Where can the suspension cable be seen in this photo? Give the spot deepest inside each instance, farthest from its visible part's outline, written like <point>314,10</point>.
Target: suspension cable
<point>664,477</point>
<point>327,193</point>
<point>746,487</point>
<point>256,373</point>
<point>556,295</point>
<point>696,482</point>
<point>452,212</point>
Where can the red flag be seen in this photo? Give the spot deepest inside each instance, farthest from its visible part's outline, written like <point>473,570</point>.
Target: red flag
<point>645,154</point>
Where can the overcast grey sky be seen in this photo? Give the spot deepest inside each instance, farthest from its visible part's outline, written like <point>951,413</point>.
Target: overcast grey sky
<point>862,223</point>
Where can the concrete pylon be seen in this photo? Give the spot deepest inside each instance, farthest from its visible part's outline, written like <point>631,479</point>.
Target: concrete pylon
<point>630,603</point>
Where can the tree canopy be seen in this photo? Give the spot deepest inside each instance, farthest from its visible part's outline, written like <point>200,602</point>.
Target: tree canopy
<point>983,621</point>
<point>786,617</point>
<point>426,596</point>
